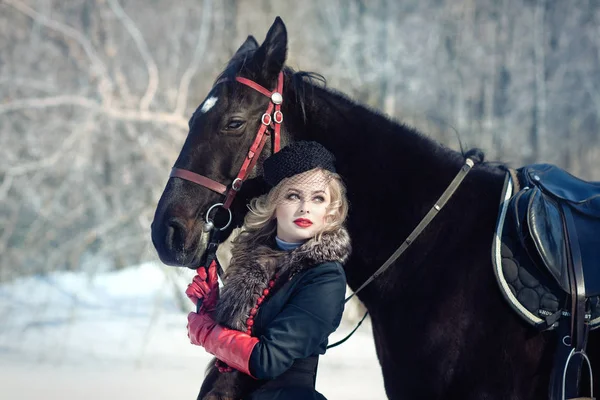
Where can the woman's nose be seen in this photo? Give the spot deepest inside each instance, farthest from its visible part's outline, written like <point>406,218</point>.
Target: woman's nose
<point>303,208</point>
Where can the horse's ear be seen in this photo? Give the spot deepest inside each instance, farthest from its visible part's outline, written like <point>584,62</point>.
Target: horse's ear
<point>249,44</point>
<point>271,55</point>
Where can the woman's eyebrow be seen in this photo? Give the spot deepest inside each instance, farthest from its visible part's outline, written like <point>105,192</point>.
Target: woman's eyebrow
<point>299,191</point>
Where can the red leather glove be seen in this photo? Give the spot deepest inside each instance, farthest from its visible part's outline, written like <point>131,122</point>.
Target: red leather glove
<point>228,345</point>
<point>203,284</point>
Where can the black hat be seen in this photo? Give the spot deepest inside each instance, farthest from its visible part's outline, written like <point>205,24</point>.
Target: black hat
<point>296,158</point>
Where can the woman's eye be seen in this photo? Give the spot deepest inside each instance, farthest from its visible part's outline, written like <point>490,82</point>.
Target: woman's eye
<point>292,196</point>
<point>319,199</point>
<point>234,125</point>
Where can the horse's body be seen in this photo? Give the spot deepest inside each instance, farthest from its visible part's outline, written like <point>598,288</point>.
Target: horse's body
<point>441,327</point>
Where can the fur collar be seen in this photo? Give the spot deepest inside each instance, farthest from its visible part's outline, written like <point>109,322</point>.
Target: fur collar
<point>245,282</point>
<point>334,246</point>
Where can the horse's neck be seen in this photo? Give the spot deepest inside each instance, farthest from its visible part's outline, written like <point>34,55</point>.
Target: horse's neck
<point>384,164</point>
<point>394,176</point>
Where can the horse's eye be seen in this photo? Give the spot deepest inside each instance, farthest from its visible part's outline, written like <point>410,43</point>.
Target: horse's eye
<point>235,124</point>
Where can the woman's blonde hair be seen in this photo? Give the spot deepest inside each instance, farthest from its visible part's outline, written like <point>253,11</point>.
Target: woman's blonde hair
<point>260,224</point>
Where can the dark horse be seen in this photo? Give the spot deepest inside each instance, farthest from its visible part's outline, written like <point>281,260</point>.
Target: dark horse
<point>441,326</point>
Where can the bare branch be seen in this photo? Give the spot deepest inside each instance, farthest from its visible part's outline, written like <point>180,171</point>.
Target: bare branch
<point>6,185</point>
<point>80,101</point>
<point>47,102</point>
<point>539,56</point>
<point>8,227</point>
<point>143,49</point>
<point>28,83</point>
<point>48,161</point>
<point>87,237</point>
<point>99,68</point>
<point>123,86</point>
<point>182,92</point>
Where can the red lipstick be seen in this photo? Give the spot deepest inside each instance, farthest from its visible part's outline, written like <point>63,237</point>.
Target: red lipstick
<point>303,222</point>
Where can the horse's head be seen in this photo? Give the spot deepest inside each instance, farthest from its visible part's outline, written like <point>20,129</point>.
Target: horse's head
<point>220,147</point>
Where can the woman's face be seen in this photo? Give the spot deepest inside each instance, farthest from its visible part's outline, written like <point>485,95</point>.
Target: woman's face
<point>302,206</point>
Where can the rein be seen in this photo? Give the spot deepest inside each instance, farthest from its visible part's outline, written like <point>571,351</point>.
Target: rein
<point>272,118</point>
<point>437,207</point>
<point>270,121</point>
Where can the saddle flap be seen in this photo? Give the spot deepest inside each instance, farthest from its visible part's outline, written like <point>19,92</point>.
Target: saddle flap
<point>550,235</point>
<point>583,195</point>
<point>545,224</point>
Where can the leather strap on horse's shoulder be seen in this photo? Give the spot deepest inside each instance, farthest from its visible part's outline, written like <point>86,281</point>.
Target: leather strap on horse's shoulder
<point>437,207</point>
<point>439,204</point>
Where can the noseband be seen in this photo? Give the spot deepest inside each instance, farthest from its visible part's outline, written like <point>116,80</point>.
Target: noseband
<point>270,123</point>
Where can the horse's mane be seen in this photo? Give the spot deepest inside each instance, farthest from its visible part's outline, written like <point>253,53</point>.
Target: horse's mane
<point>303,84</point>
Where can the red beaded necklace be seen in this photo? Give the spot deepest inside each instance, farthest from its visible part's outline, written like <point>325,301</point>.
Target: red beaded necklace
<point>221,366</point>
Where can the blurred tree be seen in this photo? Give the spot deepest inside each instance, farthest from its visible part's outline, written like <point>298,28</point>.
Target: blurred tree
<point>95,96</point>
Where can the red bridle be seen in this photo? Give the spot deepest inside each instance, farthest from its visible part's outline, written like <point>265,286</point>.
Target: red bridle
<point>272,118</point>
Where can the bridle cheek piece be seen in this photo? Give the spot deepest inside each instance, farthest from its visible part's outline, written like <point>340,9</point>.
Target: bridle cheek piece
<point>271,123</point>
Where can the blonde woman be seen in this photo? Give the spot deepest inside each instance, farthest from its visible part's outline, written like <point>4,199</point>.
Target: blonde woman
<point>284,288</point>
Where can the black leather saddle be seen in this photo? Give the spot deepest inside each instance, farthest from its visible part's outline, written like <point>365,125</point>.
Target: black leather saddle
<point>546,255</point>
<point>562,221</point>
<point>548,241</point>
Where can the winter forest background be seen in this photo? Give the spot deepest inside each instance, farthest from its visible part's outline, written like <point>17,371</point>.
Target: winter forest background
<point>95,96</point>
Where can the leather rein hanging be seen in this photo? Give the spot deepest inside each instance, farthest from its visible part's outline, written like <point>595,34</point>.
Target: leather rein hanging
<point>272,119</point>
<point>270,123</point>
<point>438,205</point>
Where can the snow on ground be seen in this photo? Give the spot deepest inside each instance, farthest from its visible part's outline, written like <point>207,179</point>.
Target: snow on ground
<point>121,335</point>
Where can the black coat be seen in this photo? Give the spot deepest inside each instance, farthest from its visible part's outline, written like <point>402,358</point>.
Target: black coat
<point>293,325</point>
<point>294,319</point>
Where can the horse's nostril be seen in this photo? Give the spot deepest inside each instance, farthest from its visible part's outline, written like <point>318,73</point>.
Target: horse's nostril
<point>176,234</point>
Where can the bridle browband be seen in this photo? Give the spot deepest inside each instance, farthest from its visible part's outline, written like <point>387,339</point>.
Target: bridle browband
<point>272,118</point>
<point>270,123</point>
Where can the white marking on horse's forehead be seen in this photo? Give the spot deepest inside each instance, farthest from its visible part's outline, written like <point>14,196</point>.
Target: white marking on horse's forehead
<point>208,104</point>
